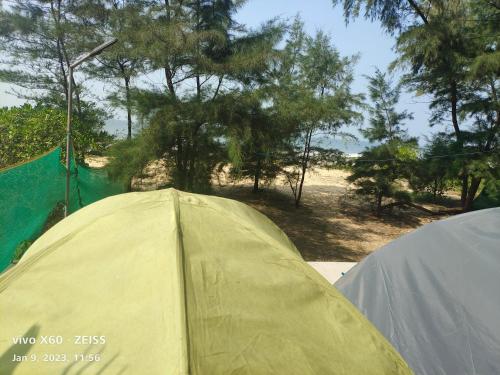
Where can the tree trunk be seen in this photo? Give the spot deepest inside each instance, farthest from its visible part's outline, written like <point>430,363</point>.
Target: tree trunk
<point>471,194</point>
<point>257,176</point>
<point>191,169</point>
<point>180,164</point>
<point>129,109</point>
<point>305,162</point>
<point>465,189</point>
<point>454,111</point>
<point>458,134</point>
<point>417,10</point>
<point>169,77</point>
<point>379,203</point>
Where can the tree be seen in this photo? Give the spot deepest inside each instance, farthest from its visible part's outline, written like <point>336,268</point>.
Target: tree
<point>37,44</point>
<point>204,55</point>
<point>377,170</point>
<point>385,122</point>
<point>255,134</point>
<point>256,137</point>
<point>101,20</point>
<point>37,48</point>
<point>395,15</point>
<point>313,92</point>
<point>443,44</point>
<point>441,56</point>
<point>435,171</point>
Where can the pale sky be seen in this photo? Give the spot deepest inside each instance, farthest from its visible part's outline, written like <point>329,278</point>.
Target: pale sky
<point>363,37</point>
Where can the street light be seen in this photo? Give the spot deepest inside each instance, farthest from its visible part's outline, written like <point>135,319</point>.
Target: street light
<point>78,61</point>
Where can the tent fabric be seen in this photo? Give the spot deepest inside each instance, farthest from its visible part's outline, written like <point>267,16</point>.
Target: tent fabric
<point>30,191</point>
<point>180,283</point>
<point>434,294</point>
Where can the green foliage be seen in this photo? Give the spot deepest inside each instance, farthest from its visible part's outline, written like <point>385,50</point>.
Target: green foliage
<point>402,196</point>
<point>256,136</point>
<point>450,52</point>
<point>426,197</point>
<point>385,122</point>
<point>313,93</point>
<point>444,56</point>
<point>101,20</point>
<point>27,132</point>
<point>489,196</point>
<point>20,250</point>
<point>128,158</point>
<point>437,169</point>
<point>395,15</point>
<point>231,95</point>
<point>182,133</point>
<point>37,48</point>
<point>209,61</point>
<point>379,169</point>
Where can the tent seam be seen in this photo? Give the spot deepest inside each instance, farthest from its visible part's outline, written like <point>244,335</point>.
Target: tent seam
<point>460,298</point>
<point>391,312</point>
<point>181,254</point>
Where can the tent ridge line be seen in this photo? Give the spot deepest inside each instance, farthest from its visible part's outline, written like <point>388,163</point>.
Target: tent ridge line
<point>182,273</point>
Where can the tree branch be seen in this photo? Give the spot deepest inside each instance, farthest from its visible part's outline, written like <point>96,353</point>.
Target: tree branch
<point>421,14</point>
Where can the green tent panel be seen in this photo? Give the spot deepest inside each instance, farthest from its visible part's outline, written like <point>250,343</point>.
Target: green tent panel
<point>175,283</point>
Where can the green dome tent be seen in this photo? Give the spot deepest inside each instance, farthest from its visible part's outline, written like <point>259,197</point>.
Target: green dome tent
<point>174,283</point>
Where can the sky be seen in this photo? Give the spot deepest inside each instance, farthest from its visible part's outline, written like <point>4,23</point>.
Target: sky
<point>359,37</point>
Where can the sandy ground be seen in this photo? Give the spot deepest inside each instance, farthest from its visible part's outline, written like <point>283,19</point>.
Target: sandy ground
<point>332,271</point>
<point>332,224</point>
<point>96,161</point>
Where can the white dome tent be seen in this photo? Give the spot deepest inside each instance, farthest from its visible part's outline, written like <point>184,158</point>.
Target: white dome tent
<point>435,294</point>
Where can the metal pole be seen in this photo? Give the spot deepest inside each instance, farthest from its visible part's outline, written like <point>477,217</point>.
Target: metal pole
<point>68,139</point>
<point>80,60</point>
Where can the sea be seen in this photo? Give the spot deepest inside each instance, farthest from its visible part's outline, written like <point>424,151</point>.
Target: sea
<point>350,146</point>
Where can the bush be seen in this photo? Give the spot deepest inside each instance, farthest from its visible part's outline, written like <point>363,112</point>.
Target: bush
<point>20,250</point>
<point>28,131</point>
<point>402,196</point>
<point>377,170</point>
<point>433,172</point>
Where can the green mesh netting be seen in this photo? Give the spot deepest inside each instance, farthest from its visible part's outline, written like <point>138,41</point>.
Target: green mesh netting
<point>31,191</point>
<point>94,184</point>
